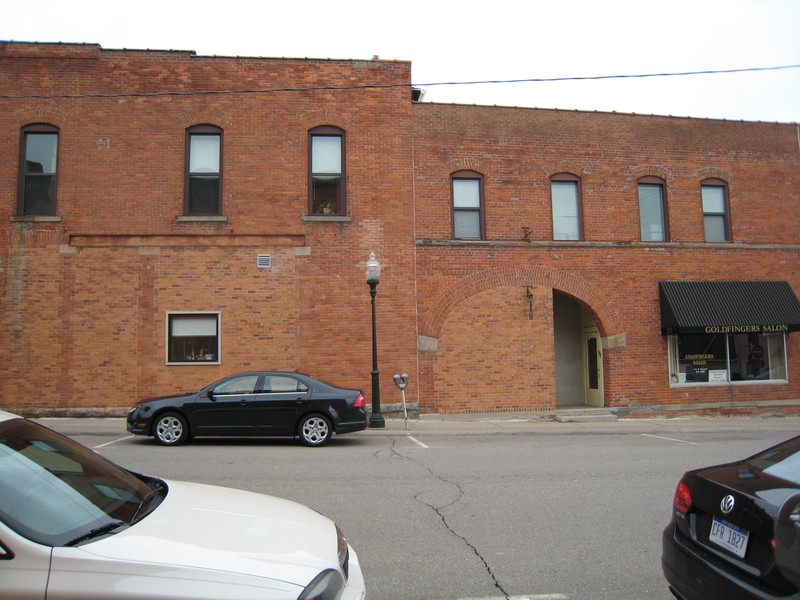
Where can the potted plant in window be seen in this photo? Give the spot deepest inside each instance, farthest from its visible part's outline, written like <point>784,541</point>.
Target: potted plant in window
<point>327,208</point>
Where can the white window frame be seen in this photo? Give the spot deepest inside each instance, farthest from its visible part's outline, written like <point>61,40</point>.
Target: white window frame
<point>200,314</point>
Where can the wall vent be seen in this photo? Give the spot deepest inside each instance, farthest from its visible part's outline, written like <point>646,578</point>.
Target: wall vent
<point>264,261</point>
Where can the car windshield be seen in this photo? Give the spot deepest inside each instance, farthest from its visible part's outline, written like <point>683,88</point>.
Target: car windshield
<point>57,492</point>
<point>781,461</point>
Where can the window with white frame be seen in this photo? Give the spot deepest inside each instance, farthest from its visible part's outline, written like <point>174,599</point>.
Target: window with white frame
<point>193,338</point>
<point>719,358</point>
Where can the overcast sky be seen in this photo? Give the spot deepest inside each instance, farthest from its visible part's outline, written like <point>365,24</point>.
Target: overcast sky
<point>469,41</point>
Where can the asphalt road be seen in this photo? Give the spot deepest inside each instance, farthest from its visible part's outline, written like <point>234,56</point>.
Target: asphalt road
<point>500,508</point>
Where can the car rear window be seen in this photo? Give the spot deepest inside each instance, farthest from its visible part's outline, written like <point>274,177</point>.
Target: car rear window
<point>780,461</point>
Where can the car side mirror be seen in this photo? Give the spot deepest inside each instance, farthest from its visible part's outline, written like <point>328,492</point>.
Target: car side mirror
<point>5,553</point>
<point>787,539</point>
<point>210,394</point>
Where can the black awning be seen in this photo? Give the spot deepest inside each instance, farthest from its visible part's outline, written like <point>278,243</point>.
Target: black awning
<point>728,307</point>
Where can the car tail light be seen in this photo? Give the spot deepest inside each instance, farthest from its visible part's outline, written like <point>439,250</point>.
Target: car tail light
<point>683,499</point>
<point>359,401</point>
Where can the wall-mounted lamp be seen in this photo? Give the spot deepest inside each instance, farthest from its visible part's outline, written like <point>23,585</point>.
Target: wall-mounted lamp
<point>529,297</point>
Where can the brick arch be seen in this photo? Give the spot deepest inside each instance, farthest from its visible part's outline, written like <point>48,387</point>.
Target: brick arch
<point>40,114</point>
<point>563,166</point>
<point>464,164</point>
<point>639,171</point>
<point>520,276</point>
<point>714,173</point>
<point>205,116</point>
<point>327,117</point>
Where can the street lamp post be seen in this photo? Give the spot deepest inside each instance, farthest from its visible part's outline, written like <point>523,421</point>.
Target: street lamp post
<point>373,274</point>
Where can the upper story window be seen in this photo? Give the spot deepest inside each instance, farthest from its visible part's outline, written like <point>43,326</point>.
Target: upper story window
<point>326,171</point>
<point>566,198</point>
<point>716,223</point>
<point>652,210</point>
<point>467,205</point>
<point>204,170</point>
<point>38,170</point>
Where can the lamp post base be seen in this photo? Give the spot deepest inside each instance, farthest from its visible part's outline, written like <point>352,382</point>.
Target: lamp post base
<point>376,421</point>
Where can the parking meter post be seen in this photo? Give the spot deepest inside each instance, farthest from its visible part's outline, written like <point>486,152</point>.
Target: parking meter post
<point>405,412</point>
<point>401,381</point>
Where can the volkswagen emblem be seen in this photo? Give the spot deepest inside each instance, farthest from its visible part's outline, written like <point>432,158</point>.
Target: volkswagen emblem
<point>727,504</point>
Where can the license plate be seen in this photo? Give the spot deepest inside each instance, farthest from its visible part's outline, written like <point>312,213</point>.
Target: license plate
<point>729,536</point>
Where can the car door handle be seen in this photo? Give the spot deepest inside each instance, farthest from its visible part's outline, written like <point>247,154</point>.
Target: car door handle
<point>243,402</point>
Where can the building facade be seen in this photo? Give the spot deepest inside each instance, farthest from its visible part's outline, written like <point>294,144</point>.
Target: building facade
<point>170,219</point>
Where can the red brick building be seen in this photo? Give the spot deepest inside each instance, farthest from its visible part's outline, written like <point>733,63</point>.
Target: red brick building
<point>171,218</point>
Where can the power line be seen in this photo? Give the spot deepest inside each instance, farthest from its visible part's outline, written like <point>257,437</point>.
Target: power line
<point>390,85</point>
<point>599,77</point>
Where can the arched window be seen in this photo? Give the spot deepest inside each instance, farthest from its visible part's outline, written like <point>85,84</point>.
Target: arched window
<point>38,170</point>
<point>652,209</point>
<point>565,194</point>
<point>326,171</point>
<point>467,194</point>
<point>204,170</point>
<point>716,215</point>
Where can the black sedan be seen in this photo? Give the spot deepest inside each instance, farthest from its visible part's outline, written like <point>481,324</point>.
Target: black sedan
<point>253,404</point>
<point>722,539</point>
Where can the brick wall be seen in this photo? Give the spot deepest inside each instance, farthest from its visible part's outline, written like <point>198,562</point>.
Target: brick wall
<point>85,296</point>
<point>470,291</point>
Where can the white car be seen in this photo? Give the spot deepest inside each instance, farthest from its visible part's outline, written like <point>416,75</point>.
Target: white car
<point>74,526</point>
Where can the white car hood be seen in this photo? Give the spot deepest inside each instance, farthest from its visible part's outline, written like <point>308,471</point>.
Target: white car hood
<point>229,531</point>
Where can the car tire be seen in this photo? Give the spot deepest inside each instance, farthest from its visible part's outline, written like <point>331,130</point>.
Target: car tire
<point>170,429</point>
<point>314,430</point>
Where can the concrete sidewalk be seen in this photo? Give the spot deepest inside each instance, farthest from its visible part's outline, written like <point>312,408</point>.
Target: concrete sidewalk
<point>500,423</point>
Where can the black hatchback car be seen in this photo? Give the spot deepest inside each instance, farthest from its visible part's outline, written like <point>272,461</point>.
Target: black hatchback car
<point>721,542</point>
<point>253,404</point>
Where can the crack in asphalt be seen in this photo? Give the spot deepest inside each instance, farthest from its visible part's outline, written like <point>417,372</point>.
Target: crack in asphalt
<point>438,510</point>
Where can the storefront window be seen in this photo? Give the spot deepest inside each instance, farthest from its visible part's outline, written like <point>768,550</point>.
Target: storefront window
<point>727,357</point>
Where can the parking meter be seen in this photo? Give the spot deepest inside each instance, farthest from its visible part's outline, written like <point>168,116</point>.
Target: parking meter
<point>401,381</point>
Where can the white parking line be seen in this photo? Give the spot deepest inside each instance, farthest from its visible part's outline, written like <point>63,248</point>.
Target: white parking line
<point>416,441</point>
<point>113,442</point>
<point>668,439</point>
<point>524,597</point>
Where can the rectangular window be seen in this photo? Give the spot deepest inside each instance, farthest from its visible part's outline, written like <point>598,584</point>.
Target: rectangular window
<point>39,173</point>
<point>566,210</point>
<point>327,175</point>
<point>651,212</point>
<point>715,215</point>
<point>722,358</point>
<point>193,338</point>
<point>467,221</point>
<point>204,176</point>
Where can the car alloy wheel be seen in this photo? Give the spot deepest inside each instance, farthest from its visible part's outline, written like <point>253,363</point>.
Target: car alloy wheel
<point>170,429</point>
<point>315,430</point>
